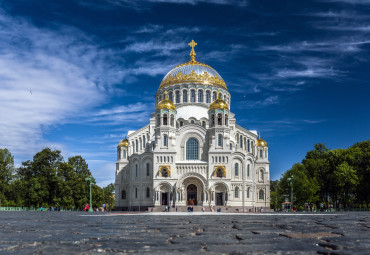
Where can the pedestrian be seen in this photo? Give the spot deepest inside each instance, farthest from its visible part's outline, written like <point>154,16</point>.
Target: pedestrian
<point>203,209</point>
<point>41,209</point>
<point>176,208</point>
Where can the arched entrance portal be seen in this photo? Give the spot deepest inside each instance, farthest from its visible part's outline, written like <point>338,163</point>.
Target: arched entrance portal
<point>192,194</point>
<point>191,190</point>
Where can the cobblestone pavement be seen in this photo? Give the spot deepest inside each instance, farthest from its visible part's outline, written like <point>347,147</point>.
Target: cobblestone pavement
<point>170,233</point>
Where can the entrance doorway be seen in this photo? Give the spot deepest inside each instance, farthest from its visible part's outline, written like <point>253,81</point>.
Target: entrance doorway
<point>164,198</point>
<point>192,194</point>
<point>219,198</point>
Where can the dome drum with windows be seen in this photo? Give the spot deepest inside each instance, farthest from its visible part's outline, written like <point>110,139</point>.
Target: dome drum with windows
<point>192,83</point>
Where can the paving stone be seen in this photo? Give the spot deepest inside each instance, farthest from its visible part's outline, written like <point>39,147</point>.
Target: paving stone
<point>171,233</point>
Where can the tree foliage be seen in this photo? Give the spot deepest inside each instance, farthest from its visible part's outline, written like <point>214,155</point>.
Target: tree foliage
<point>48,180</point>
<point>338,177</point>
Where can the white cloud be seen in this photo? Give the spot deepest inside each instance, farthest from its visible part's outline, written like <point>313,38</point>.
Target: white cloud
<point>46,77</point>
<point>270,100</point>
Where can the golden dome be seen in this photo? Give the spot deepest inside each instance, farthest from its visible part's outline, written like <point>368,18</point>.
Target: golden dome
<point>218,104</point>
<point>193,71</point>
<point>123,142</point>
<point>261,142</point>
<point>166,103</point>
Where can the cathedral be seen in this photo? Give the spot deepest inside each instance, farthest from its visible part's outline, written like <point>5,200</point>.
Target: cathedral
<point>192,152</point>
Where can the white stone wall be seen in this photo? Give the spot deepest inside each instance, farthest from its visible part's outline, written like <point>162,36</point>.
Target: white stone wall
<point>146,146</point>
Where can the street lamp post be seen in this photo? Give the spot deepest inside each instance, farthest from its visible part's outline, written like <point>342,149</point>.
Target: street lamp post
<point>290,180</point>
<point>90,179</point>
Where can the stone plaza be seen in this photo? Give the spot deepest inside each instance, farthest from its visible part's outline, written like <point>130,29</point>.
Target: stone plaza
<point>189,233</point>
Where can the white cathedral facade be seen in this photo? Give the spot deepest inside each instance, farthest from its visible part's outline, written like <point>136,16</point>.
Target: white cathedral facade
<point>192,152</point>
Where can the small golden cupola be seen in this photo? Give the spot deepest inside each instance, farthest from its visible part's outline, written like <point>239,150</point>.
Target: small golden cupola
<point>261,142</point>
<point>219,104</point>
<point>166,103</point>
<point>123,142</point>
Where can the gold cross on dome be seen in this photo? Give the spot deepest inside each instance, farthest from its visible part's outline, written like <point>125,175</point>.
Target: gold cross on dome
<point>192,44</point>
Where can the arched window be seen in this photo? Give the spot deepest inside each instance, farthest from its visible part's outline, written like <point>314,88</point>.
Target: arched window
<point>219,119</point>
<point>200,96</point>
<point>208,96</point>
<point>141,143</point>
<point>241,142</point>
<point>236,169</point>
<point>192,95</point>
<point>248,190</point>
<point>219,140</point>
<point>170,96</point>
<point>261,155</point>
<point>118,153</point>
<point>185,96</point>
<point>147,169</point>
<point>144,141</point>
<point>136,170</point>
<point>249,145</point>
<point>137,146</point>
<point>124,153</point>
<point>220,96</point>
<point>123,196</point>
<point>164,140</point>
<point>261,175</point>
<point>147,192</point>
<point>181,123</point>
<point>192,121</point>
<point>192,149</point>
<point>261,195</point>
<point>214,96</point>
<point>231,146</point>
<point>248,166</point>
<point>172,120</point>
<point>177,97</point>
<point>203,124</point>
<point>220,173</point>
<point>165,119</point>
<point>236,192</point>
<point>213,120</point>
<point>226,120</point>
<point>160,97</point>
<point>225,98</point>
<point>135,192</point>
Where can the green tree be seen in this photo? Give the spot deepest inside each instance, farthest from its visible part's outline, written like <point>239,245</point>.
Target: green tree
<point>78,184</point>
<point>276,194</point>
<point>109,196</point>
<point>304,188</point>
<point>6,173</point>
<point>346,181</point>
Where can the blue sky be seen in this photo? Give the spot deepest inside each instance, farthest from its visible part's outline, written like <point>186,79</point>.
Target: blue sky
<point>75,75</point>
